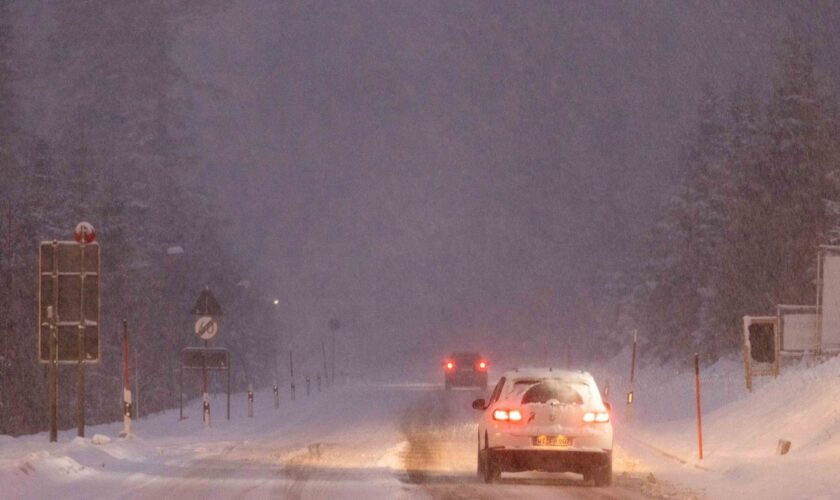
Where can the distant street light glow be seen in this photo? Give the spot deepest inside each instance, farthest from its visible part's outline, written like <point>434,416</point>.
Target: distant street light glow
<point>276,302</point>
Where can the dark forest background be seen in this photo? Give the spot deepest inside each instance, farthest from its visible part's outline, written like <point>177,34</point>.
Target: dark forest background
<point>515,178</point>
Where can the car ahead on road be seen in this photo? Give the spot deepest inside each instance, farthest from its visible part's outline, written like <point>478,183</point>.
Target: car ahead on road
<point>548,420</point>
<point>465,369</point>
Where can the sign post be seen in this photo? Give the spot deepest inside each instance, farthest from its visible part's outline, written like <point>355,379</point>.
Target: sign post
<point>206,359</point>
<point>68,312</point>
<point>53,381</point>
<point>206,327</point>
<point>84,234</point>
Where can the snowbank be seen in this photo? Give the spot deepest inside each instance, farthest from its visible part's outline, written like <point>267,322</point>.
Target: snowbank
<point>741,430</point>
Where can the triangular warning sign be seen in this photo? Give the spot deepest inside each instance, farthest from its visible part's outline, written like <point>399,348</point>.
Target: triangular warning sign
<point>206,305</point>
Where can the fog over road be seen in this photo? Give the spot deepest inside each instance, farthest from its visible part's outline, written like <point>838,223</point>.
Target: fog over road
<point>383,441</point>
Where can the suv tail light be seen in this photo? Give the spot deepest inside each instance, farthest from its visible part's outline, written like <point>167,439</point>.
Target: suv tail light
<point>598,417</point>
<point>507,415</point>
<point>482,365</point>
<point>450,365</point>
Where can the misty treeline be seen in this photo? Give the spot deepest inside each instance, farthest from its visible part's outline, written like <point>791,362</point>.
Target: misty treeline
<point>759,191</point>
<point>111,146</point>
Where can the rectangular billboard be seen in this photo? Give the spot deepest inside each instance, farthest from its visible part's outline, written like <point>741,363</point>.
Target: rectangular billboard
<point>828,297</point>
<point>798,328</point>
<point>61,265</point>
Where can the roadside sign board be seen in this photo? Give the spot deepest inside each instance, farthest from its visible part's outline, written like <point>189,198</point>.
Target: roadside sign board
<point>761,347</point>
<point>206,327</point>
<point>205,359</point>
<point>61,265</point>
<point>213,358</point>
<point>798,328</point>
<point>828,297</point>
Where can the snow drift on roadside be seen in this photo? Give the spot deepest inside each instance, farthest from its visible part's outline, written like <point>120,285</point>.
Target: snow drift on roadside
<point>741,429</point>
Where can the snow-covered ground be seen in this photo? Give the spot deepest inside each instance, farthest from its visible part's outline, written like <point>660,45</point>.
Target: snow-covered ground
<point>741,430</point>
<point>415,440</point>
<point>260,457</point>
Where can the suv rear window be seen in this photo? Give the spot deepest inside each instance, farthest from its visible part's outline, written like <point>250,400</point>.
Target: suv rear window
<point>546,390</point>
<point>465,357</point>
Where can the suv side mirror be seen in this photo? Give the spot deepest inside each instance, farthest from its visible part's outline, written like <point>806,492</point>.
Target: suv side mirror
<point>479,404</point>
<point>608,406</point>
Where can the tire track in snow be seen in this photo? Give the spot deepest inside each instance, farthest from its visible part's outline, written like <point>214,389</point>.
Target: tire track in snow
<point>440,459</point>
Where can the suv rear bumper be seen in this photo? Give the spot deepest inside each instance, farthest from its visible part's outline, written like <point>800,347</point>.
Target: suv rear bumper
<point>513,460</point>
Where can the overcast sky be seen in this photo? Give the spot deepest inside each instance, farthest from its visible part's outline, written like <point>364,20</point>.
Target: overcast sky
<point>447,173</point>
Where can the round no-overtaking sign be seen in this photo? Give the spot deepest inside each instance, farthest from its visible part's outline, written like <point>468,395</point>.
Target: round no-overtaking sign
<point>206,327</point>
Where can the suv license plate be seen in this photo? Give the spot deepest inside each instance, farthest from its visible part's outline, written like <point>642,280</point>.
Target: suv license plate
<point>551,441</point>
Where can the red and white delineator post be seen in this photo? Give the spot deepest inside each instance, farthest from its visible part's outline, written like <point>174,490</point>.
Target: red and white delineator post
<point>629,414</point>
<point>205,411</point>
<point>127,400</point>
<point>250,400</point>
<point>699,411</point>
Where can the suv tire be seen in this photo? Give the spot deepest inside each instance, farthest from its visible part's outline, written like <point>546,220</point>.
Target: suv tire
<point>603,475</point>
<point>492,470</point>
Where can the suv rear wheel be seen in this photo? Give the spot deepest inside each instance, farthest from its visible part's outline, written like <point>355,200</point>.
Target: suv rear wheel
<point>492,469</point>
<point>603,474</point>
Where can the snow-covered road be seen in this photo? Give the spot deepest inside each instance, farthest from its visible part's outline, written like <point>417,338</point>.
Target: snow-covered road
<point>417,441</point>
<point>362,441</point>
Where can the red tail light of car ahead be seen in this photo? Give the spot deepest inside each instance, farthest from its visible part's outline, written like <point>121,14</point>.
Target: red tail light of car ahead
<point>450,365</point>
<point>507,415</point>
<point>598,417</point>
<point>482,365</point>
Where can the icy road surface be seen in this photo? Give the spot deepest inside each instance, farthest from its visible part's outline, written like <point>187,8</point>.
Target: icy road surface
<point>395,441</point>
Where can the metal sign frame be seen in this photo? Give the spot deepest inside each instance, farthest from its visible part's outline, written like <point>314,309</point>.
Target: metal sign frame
<point>204,367</point>
<point>54,275</point>
<point>763,369</point>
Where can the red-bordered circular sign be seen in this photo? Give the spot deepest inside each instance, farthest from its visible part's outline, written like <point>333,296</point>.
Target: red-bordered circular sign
<point>84,232</point>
